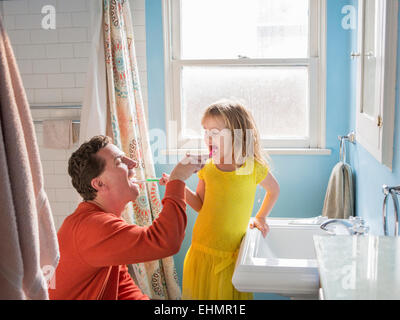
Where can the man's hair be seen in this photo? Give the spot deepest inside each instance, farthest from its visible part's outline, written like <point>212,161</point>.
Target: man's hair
<point>84,165</point>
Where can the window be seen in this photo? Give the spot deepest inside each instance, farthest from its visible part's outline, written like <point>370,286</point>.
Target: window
<point>269,54</point>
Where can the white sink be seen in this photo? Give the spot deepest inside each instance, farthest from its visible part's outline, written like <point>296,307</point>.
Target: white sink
<point>284,262</point>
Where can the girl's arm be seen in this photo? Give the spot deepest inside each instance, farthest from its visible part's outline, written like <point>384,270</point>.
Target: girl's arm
<point>193,199</point>
<point>272,187</point>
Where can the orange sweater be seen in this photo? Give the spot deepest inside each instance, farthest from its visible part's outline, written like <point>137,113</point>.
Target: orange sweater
<point>95,247</point>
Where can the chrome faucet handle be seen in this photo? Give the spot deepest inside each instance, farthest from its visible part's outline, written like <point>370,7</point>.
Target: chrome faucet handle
<point>359,226</point>
<point>357,220</point>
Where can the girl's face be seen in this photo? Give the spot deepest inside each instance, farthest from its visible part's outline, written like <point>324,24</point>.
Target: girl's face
<point>218,139</point>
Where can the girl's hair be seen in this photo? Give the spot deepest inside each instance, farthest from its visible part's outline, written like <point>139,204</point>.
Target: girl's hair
<point>241,123</point>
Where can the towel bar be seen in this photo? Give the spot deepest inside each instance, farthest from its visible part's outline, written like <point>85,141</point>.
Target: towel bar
<point>41,121</point>
<point>393,191</point>
<point>57,107</point>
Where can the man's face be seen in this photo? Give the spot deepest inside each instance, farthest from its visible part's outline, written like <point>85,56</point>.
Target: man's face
<point>118,175</point>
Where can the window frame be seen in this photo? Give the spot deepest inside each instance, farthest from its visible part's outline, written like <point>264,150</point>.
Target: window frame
<point>317,79</point>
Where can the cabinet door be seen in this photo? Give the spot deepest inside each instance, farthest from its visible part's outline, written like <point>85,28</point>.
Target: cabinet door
<point>376,79</point>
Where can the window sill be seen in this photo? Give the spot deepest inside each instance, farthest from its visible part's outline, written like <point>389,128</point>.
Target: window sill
<point>270,151</point>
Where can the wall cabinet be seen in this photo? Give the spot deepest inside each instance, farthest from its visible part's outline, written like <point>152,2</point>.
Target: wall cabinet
<point>376,77</point>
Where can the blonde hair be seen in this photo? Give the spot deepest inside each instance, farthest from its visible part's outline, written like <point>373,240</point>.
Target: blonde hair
<point>237,117</point>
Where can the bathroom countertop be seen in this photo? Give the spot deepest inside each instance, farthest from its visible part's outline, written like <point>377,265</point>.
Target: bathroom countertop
<point>358,267</point>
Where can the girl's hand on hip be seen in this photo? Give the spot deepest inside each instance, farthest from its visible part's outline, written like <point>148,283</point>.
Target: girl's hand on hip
<point>261,225</point>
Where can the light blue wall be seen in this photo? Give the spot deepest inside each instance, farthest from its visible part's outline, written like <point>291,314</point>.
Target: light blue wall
<point>303,179</point>
<point>369,174</point>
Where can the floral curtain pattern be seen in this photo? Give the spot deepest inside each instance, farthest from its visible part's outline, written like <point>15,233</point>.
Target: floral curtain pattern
<point>157,279</point>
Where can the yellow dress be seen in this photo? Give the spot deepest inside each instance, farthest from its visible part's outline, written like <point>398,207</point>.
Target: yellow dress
<point>218,231</point>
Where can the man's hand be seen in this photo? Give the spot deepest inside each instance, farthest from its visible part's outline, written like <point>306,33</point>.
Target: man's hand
<point>164,179</point>
<point>187,166</point>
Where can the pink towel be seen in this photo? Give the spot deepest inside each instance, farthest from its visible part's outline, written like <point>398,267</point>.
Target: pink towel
<point>28,242</point>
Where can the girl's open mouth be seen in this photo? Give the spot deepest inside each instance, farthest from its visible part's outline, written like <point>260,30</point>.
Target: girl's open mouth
<point>213,150</point>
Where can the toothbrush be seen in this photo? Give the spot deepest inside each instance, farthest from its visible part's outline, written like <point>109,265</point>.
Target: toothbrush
<point>148,180</point>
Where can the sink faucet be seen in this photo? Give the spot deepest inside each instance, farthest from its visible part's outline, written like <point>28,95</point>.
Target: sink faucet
<point>354,225</point>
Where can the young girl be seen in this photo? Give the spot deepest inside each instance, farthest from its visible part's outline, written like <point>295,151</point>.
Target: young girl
<point>224,201</point>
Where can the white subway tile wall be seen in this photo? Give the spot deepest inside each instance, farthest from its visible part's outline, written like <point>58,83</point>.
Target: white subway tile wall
<point>53,66</point>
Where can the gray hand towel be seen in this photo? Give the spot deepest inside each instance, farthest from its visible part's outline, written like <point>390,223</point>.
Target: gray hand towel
<point>339,199</point>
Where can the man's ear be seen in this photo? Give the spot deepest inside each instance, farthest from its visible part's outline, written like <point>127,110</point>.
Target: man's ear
<point>97,184</point>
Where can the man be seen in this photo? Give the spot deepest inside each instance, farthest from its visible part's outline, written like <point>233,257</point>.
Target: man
<point>95,243</point>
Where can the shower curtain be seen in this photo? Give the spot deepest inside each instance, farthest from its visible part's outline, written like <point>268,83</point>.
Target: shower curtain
<point>127,126</point>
